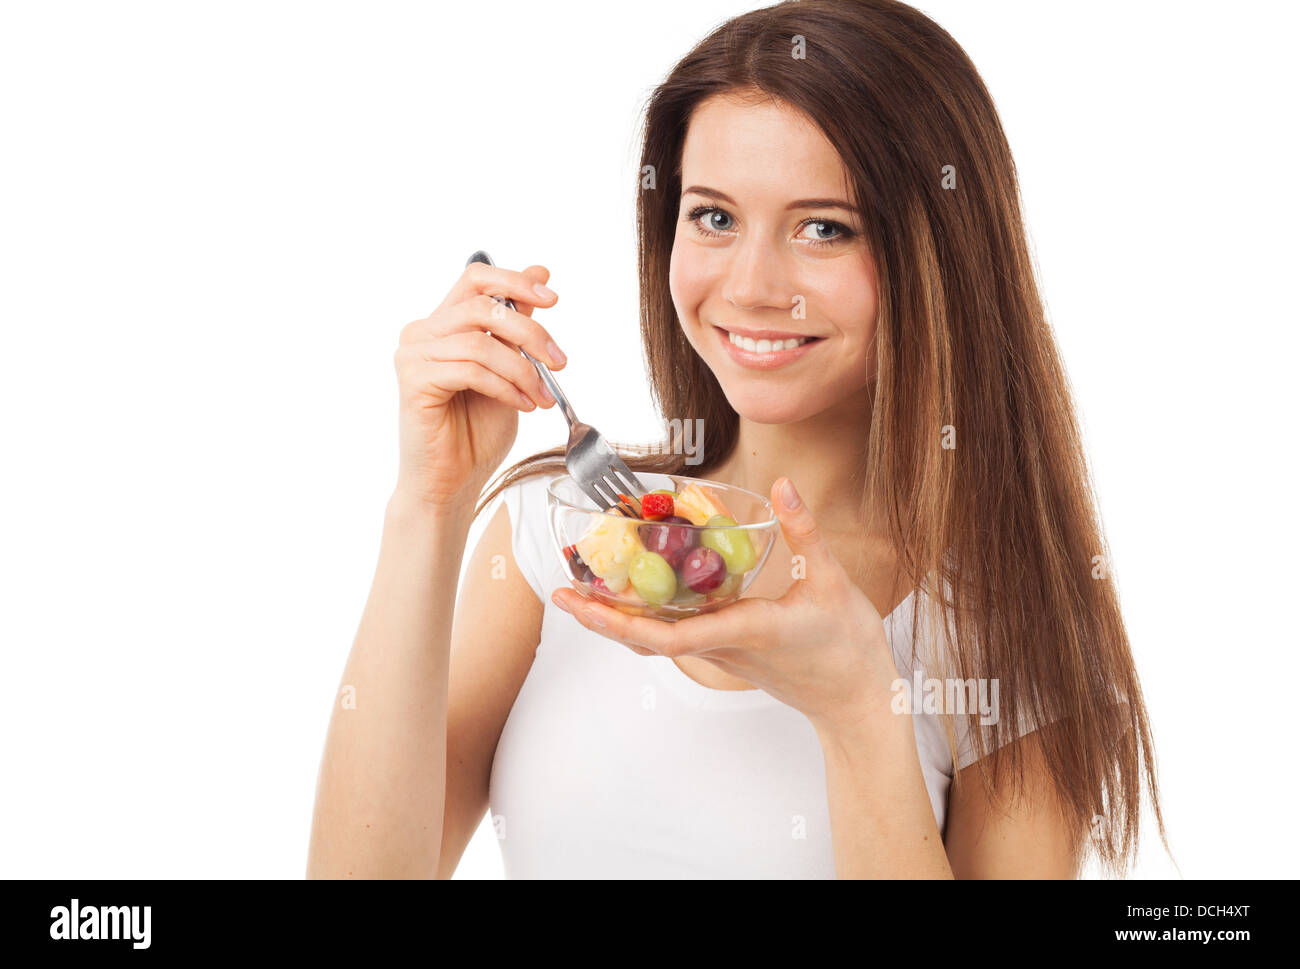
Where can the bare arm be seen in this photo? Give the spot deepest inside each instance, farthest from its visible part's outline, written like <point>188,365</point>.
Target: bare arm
<point>1012,838</point>
<point>380,794</point>
<point>494,640</point>
<point>882,824</point>
<point>382,786</point>
<point>884,827</point>
<point>401,794</point>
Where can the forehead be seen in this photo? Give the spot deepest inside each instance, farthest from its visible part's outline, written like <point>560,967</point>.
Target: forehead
<point>755,150</point>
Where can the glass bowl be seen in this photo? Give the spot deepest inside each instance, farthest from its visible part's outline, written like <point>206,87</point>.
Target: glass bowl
<point>697,560</point>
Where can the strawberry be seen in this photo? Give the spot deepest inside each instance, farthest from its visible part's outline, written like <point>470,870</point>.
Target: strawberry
<point>656,507</point>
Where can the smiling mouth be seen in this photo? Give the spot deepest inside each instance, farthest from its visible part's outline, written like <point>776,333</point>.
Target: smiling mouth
<point>765,345</point>
<point>765,349</point>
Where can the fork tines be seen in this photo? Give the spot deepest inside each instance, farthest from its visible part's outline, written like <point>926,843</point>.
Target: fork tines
<point>619,487</point>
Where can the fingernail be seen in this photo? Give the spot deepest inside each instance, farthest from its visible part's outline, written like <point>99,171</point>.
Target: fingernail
<point>789,495</point>
<point>594,618</point>
<point>555,597</point>
<point>543,291</point>
<point>546,394</point>
<point>557,355</point>
<point>525,401</point>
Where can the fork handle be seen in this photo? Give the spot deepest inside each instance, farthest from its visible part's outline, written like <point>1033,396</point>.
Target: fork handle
<point>542,370</point>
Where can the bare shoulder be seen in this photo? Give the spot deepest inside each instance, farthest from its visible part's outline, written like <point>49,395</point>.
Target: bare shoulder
<point>495,634</point>
<point>1020,835</point>
<point>494,593</point>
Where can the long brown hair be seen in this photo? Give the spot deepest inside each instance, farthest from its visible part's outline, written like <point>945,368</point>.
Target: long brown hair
<point>1001,531</point>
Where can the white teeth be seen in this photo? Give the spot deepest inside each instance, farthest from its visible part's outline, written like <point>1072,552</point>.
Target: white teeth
<point>765,346</point>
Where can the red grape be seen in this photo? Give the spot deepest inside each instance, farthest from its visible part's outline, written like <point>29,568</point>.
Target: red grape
<point>703,569</point>
<point>663,538</point>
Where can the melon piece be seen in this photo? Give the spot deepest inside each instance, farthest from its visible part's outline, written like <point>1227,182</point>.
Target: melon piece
<point>699,503</point>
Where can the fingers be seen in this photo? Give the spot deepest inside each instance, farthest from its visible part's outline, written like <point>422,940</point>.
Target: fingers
<point>481,348</point>
<point>739,624</point>
<point>538,274</point>
<point>800,529</point>
<point>483,314</point>
<point>439,380</point>
<point>522,287</point>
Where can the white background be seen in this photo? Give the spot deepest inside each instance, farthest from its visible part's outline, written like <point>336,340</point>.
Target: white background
<point>216,217</point>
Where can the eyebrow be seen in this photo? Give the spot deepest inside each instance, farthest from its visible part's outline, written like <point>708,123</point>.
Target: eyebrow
<point>713,193</point>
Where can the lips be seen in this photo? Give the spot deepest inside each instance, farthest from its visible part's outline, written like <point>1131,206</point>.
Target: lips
<point>765,345</point>
<point>765,349</point>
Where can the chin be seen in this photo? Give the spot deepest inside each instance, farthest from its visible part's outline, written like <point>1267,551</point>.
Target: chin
<point>764,404</point>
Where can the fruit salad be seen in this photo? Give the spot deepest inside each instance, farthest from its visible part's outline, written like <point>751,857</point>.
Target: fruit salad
<point>671,547</point>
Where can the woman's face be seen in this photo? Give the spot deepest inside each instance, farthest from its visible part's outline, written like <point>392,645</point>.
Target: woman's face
<point>767,252</point>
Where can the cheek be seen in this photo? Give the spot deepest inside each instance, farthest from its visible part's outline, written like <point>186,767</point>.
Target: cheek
<point>686,281</point>
<point>857,307</point>
<point>689,286</point>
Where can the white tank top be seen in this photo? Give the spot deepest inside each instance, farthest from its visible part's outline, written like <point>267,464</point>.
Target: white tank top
<point>615,765</point>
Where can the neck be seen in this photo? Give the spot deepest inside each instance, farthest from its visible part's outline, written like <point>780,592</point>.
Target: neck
<point>824,455</point>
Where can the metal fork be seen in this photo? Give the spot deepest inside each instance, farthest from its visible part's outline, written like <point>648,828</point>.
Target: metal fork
<point>591,462</point>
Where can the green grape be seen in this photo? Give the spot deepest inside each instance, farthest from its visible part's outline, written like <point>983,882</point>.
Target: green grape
<point>653,578</point>
<point>730,587</point>
<point>686,596</point>
<point>732,544</point>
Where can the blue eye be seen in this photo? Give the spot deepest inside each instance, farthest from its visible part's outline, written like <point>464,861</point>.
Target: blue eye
<point>826,224</point>
<point>712,212</point>
<point>706,218</point>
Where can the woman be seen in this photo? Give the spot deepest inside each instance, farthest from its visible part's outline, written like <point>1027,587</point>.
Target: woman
<point>832,176</point>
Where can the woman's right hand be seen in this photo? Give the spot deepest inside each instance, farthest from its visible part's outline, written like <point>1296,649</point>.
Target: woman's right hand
<point>462,386</point>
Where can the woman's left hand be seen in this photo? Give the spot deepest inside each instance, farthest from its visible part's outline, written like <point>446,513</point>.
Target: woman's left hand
<point>820,648</point>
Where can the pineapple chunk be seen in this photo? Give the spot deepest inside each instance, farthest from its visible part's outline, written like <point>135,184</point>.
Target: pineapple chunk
<point>609,547</point>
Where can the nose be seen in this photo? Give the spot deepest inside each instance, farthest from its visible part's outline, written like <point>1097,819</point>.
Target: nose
<point>754,278</point>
